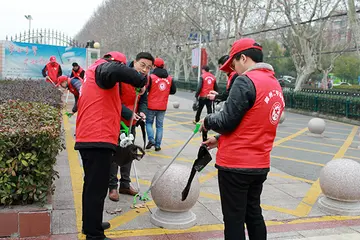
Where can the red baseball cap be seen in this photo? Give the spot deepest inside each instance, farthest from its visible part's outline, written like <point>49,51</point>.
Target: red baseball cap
<point>159,62</point>
<point>52,59</point>
<point>117,56</point>
<point>239,46</point>
<point>61,79</point>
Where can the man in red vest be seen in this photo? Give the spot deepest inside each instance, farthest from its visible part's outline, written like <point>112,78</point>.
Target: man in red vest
<point>207,83</point>
<point>52,71</point>
<point>77,72</point>
<point>247,125</point>
<point>73,85</point>
<point>232,75</point>
<point>97,133</point>
<point>143,64</point>
<point>160,86</point>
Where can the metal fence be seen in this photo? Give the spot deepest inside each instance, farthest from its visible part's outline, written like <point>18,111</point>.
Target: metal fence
<point>326,102</point>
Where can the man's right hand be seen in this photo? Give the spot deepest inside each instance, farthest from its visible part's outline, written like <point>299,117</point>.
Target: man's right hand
<point>211,143</point>
<point>211,96</point>
<point>136,117</point>
<point>142,90</point>
<point>213,92</point>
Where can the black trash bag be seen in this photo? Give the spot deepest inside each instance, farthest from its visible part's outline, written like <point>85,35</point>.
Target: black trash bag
<point>141,123</point>
<point>203,158</point>
<point>125,155</point>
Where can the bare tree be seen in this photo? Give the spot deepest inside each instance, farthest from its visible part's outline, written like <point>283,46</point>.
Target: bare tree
<point>306,40</point>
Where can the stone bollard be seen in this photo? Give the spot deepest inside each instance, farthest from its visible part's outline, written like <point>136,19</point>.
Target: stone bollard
<point>316,126</point>
<point>172,213</point>
<point>282,117</point>
<point>176,104</point>
<point>340,183</point>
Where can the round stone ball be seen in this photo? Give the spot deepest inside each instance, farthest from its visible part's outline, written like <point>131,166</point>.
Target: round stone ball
<point>167,192</point>
<point>97,45</point>
<point>282,117</point>
<point>340,180</point>
<point>316,125</point>
<point>176,104</point>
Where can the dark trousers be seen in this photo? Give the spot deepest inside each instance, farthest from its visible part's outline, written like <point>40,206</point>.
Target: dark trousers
<point>240,203</point>
<point>202,103</point>
<point>124,172</point>
<point>74,109</point>
<point>96,164</point>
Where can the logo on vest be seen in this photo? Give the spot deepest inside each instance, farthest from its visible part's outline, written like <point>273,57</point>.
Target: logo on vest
<point>275,113</point>
<point>209,80</point>
<point>162,86</point>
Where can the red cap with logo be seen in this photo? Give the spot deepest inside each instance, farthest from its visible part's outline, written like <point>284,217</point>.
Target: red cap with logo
<point>61,79</point>
<point>239,46</point>
<point>117,56</point>
<point>52,59</point>
<point>159,62</point>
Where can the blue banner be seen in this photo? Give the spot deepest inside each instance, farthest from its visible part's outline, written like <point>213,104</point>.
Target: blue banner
<point>26,60</point>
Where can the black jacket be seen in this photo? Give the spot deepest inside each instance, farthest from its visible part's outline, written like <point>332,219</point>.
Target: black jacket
<point>162,73</point>
<point>44,71</point>
<point>107,75</point>
<point>126,112</point>
<point>241,99</point>
<point>223,96</point>
<point>82,74</point>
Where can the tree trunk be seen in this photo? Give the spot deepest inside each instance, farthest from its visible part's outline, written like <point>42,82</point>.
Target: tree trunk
<point>324,80</point>
<point>301,78</point>
<point>177,68</point>
<point>186,69</point>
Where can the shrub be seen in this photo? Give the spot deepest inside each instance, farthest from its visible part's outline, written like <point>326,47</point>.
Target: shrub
<point>30,91</point>
<point>335,105</point>
<point>349,88</point>
<point>30,140</point>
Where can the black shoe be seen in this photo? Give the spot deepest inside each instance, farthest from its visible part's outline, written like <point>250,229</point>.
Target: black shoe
<point>105,225</point>
<point>150,145</point>
<point>157,149</point>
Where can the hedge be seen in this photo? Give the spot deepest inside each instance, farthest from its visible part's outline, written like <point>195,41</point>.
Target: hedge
<point>335,105</point>
<point>30,91</point>
<point>30,140</point>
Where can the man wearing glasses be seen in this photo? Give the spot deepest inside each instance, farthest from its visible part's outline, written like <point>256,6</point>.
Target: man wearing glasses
<point>143,63</point>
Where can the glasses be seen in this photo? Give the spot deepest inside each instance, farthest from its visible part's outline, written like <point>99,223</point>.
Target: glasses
<point>143,65</point>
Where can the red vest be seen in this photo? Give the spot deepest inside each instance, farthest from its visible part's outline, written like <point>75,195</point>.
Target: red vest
<point>77,74</point>
<point>249,145</point>
<point>52,72</point>
<point>71,88</point>
<point>231,75</point>
<point>128,95</point>
<point>207,84</point>
<point>99,111</point>
<point>159,92</point>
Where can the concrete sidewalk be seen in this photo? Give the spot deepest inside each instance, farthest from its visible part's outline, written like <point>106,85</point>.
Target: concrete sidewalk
<point>288,199</point>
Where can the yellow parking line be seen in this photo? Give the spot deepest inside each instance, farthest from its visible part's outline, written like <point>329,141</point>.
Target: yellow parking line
<point>76,173</point>
<point>314,192</point>
<point>177,124</point>
<point>290,177</point>
<point>293,135</point>
<point>315,143</point>
<point>306,150</point>
<point>298,160</point>
<point>219,227</point>
<point>352,157</point>
<point>208,176</point>
<point>169,157</point>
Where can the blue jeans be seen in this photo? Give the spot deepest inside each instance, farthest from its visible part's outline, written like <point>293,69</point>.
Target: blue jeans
<point>160,115</point>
